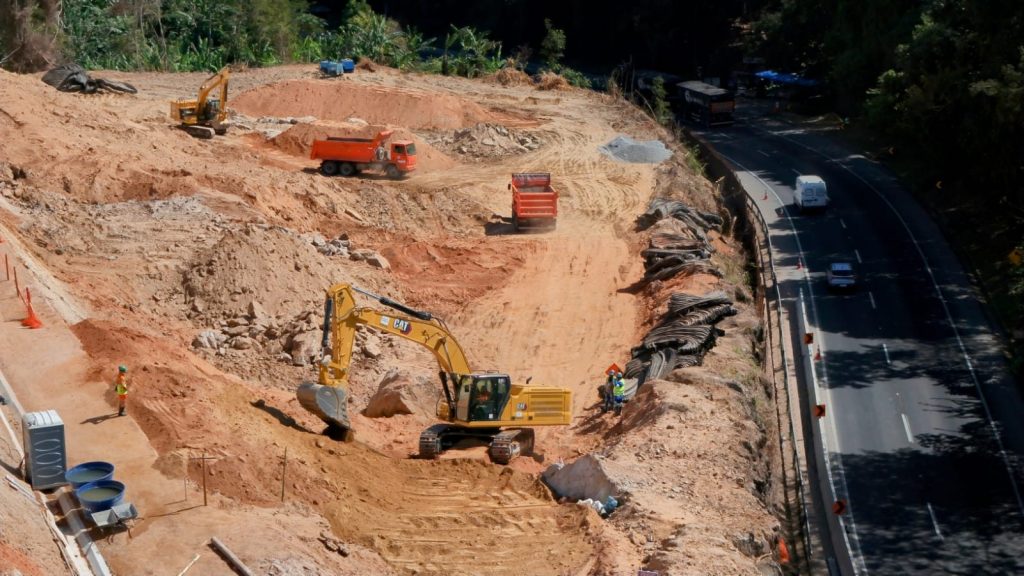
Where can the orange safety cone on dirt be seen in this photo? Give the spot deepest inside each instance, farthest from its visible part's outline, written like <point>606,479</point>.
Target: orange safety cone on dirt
<point>30,321</point>
<point>783,552</point>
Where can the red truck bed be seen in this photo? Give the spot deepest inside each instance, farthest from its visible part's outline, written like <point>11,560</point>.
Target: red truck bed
<point>534,201</point>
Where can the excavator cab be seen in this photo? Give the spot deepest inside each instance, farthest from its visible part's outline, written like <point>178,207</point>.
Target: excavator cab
<point>481,397</point>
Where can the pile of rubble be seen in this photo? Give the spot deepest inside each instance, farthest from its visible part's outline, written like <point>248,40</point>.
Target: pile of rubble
<point>296,341</point>
<point>485,141</point>
<point>682,337</point>
<point>679,241</point>
<point>342,248</point>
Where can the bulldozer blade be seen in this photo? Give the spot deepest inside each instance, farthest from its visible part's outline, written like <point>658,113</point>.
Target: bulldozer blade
<point>330,404</point>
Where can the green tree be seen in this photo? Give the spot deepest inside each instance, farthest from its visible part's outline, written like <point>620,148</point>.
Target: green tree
<point>552,48</point>
<point>659,105</point>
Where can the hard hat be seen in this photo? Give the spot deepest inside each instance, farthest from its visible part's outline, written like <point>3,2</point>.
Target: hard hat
<point>122,368</point>
<point>619,374</point>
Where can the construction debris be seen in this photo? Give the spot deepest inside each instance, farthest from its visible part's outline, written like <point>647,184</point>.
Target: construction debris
<point>74,78</point>
<point>485,141</point>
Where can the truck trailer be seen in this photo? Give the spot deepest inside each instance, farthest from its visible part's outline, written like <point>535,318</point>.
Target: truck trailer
<point>534,201</point>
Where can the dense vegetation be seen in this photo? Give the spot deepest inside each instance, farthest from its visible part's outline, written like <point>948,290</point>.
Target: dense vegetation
<point>188,35</point>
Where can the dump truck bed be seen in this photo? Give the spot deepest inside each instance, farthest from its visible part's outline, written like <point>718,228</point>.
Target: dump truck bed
<point>534,201</point>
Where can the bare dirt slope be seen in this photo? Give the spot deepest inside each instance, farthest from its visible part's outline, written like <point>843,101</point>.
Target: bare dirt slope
<point>137,238</point>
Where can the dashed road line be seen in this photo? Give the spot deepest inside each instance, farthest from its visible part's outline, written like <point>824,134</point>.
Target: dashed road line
<point>906,428</point>
<point>871,296</point>
<point>842,223</point>
<point>857,253</point>
<point>886,350</point>
<point>935,523</point>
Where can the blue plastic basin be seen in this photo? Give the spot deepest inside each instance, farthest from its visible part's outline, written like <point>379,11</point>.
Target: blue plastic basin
<point>100,495</point>
<point>89,472</point>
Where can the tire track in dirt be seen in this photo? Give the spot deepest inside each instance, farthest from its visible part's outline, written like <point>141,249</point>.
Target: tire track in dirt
<point>461,517</point>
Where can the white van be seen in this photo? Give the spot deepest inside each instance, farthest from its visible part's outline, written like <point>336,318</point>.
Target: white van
<point>810,193</point>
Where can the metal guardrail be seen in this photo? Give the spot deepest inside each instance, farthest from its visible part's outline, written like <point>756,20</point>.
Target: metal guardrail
<point>766,272</point>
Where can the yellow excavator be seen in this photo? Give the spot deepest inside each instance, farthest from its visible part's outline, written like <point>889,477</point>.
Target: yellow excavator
<point>475,404</point>
<point>204,116</point>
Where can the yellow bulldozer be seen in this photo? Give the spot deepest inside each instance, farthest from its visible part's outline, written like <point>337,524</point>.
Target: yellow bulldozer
<point>482,405</point>
<point>205,116</point>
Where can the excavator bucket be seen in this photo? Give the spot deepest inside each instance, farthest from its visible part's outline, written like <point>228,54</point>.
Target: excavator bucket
<point>327,402</point>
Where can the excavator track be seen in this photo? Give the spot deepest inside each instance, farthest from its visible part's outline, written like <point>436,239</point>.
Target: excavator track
<point>509,444</point>
<point>431,441</point>
<point>503,445</point>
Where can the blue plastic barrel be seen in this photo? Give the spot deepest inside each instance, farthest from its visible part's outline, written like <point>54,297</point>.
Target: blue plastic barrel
<point>347,65</point>
<point>100,495</point>
<point>89,472</point>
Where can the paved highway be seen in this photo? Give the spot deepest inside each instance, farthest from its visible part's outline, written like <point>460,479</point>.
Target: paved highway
<point>925,425</point>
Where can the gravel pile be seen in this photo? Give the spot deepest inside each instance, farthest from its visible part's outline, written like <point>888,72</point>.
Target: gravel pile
<point>626,149</point>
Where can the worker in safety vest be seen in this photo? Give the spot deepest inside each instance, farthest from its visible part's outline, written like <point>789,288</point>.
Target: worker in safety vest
<point>121,388</point>
<point>618,388</point>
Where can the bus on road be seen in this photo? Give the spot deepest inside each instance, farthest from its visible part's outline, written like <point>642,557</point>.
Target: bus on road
<point>706,104</point>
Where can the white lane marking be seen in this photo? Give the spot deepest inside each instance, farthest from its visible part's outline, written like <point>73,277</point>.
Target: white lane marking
<point>857,253</point>
<point>871,296</point>
<point>945,308</point>
<point>935,522</point>
<point>886,350</point>
<point>906,428</point>
<point>795,170</point>
<point>763,153</point>
<point>842,223</point>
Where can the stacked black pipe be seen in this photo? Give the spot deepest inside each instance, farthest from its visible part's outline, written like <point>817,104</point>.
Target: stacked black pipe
<point>679,241</point>
<point>683,336</point>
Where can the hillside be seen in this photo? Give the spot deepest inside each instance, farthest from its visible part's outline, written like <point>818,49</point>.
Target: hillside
<point>136,239</point>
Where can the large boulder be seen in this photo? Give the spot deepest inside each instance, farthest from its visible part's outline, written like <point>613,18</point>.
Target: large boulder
<point>401,393</point>
<point>587,477</point>
<point>305,347</point>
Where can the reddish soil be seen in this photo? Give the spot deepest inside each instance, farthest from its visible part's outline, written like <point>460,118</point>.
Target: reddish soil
<point>135,238</point>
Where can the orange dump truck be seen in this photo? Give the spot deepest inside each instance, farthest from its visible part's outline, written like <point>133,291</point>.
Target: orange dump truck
<point>349,156</point>
<point>534,201</point>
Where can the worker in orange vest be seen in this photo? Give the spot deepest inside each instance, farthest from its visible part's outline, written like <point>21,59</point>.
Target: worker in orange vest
<point>121,388</point>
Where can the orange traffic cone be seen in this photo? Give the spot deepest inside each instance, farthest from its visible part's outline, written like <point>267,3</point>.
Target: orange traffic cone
<point>783,552</point>
<point>817,355</point>
<point>799,264</point>
<point>765,197</point>
<point>30,321</point>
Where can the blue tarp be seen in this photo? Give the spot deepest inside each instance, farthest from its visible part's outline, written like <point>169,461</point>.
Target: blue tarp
<point>783,78</point>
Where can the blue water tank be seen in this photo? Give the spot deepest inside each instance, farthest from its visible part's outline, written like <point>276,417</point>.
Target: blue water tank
<point>100,495</point>
<point>89,472</point>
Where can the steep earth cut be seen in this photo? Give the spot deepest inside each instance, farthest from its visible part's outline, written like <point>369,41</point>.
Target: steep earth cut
<point>202,264</point>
